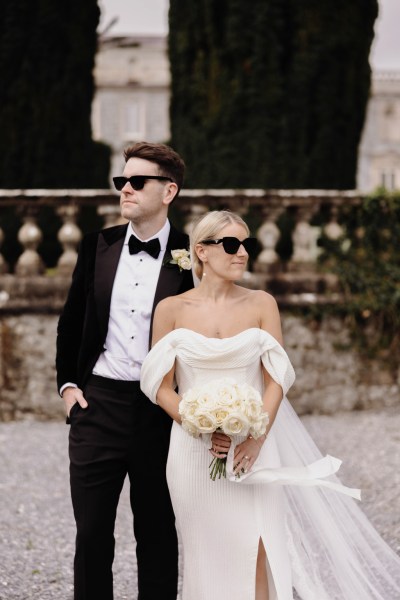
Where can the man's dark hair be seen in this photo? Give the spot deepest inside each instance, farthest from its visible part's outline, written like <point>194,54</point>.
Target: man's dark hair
<point>169,162</point>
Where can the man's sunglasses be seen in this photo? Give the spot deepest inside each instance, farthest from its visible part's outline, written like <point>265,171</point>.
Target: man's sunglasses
<point>136,181</point>
<point>231,244</point>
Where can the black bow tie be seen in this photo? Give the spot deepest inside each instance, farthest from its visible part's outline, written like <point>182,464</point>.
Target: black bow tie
<point>152,247</point>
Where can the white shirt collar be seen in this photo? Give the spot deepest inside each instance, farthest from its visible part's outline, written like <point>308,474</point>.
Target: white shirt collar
<point>162,235</point>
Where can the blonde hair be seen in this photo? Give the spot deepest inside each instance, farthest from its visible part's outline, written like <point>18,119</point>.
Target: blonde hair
<point>208,227</point>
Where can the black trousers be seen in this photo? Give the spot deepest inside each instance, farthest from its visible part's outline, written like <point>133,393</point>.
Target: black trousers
<point>120,433</point>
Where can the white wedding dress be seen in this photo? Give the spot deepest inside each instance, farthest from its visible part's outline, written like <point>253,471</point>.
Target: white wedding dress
<point>318,541</point>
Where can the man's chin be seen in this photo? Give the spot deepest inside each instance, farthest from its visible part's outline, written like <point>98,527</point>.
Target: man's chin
<point>128,213</point>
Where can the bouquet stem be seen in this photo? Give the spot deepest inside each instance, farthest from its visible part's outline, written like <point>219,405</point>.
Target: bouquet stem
<point>217,468</point>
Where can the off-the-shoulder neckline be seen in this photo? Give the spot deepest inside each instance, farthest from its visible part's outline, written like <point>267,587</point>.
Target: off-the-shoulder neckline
<point>231,337</point>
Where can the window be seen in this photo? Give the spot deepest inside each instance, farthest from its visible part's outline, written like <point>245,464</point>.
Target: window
<point>133,120</point>
<point>388,180</point>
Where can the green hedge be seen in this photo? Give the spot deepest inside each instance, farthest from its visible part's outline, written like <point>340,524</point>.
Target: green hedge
<point>270,93</point>
<point>47,52</point>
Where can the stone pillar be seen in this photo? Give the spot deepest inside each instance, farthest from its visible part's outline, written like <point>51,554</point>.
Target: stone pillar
<point>30,236</point>
<point>69,237</point>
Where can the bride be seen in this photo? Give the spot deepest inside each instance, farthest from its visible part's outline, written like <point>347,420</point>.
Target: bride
<point>287,523</point>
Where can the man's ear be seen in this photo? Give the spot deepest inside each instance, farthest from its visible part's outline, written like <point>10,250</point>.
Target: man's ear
<point>170,191</point>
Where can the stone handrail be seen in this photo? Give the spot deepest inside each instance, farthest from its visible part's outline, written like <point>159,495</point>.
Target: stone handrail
<point>295,280</point>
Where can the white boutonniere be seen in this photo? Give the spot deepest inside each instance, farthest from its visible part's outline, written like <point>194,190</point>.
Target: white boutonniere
<point>181,258</point>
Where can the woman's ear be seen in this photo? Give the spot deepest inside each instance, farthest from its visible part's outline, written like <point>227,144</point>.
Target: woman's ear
<point>201,252</point>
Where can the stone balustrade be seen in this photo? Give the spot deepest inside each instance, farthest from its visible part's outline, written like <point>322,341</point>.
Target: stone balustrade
<point>294,279</point>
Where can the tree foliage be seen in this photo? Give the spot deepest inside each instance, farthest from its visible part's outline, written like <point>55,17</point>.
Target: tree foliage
<point>47,51</point>
<point>270,93</point>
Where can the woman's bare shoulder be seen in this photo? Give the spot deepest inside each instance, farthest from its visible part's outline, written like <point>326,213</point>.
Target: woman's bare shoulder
<point>263,299</point>
<point>166,315</point>
<point>173,303</point>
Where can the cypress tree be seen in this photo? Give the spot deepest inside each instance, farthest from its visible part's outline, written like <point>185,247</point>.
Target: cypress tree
<point>270,93</point>
<point>47,51</point>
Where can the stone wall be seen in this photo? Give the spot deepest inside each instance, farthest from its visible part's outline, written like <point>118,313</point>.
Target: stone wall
<point>330,374</point>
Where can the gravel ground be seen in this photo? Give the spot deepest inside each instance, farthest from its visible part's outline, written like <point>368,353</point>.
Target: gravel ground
<point>36,522</point>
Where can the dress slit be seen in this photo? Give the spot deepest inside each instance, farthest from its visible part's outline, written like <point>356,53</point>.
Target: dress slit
<point>267,568</point>
<point>272,593</point>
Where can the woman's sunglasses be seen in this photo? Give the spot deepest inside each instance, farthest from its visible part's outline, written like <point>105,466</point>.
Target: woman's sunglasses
<point>231,244</point>
<point>136,181</point>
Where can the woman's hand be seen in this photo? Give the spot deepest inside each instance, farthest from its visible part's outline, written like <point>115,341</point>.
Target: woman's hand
<point>246,454</point>
<point>220,444</point>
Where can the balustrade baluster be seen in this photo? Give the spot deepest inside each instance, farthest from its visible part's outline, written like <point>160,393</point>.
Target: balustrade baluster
<point>191,213</point>
<point>30,236</point>
<point>268,235</point>
<point>332,229</point>
<point>111,214</point>
<point>305,237</point>
<point>69,237</point>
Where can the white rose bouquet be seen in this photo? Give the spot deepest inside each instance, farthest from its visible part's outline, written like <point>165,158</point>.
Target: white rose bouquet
<point>224,405</point>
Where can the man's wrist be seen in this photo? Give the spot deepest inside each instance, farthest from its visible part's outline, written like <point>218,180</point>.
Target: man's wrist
<point>65,386</point>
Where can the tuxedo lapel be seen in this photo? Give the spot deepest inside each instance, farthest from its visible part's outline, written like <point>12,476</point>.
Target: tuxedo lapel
<point>108,252</point>
<point>170,279</point>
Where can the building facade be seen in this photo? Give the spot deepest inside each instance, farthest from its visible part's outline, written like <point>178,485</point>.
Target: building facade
<point>379,154</point>
<point>132,93</point>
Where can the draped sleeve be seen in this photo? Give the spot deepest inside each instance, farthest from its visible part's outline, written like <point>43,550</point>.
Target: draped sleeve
<point>156,365</point>
<point>276,361</point>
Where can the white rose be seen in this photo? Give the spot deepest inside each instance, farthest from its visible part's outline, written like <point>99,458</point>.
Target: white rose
<point>177,254</point>
<point>220,415</point>
<point>253,408</point>
<point>187,409</point>
<point>190,427</point>
<point>191,395</point>
<point>206,399</point>
<point>227,393</point>
<point>185,263</point>
<point>249,393</point>
<point>235,424</point>
<point>258,428</point>
<point>205,422</point>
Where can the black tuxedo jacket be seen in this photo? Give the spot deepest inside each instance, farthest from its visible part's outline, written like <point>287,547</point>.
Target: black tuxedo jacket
<point>83,324</point>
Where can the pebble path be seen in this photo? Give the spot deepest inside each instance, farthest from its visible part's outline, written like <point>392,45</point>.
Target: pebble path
<point>36,523</point>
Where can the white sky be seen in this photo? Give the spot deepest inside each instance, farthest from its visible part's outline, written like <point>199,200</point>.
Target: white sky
<point>147,17</point>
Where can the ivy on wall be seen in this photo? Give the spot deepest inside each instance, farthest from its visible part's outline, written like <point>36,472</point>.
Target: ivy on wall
<point>366,260</point>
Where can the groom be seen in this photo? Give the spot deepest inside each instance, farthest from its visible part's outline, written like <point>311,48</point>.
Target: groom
<point>103,336</point>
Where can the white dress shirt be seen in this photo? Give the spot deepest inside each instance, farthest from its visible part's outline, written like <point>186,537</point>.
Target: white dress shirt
<point>132,300</point>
